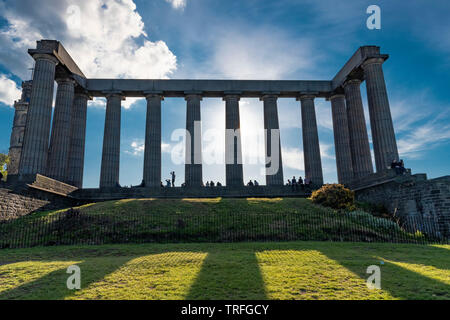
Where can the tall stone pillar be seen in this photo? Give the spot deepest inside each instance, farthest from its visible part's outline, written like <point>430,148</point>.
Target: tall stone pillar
<point>18,130</point>
<point>35,145</point>
<point>383,136</point>
<point>359,140</point>
<point>58,153</point>
<point>75,167</point>
<point>311,147</point>
<point>193,166</point>
<point>341,139</point>
<point>233,146</point>
<point>152,154</point>
<point>274,163</point>
<point>109,175</point>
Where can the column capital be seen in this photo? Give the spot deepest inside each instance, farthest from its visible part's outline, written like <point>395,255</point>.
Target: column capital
<point>45,56</point>
<point>153,95</point>
<point>269,95</point>
<point>372,61</point>
<point>352,81</point>
<point>306,97</point>
<point>114,94</point>
<point>193,95</point>
<point>336,96</point>
<point>231,96</point>
<point>62,80</point>
<point>83,95</point>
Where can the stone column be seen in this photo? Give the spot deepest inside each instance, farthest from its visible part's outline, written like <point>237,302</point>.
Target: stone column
<point>18,130</point>
<point>109,176</point>
<point>359,140</point>
<point>311,147</point>
<point>341,139</point>
<point>58,153</point>
<point>383,136</point>
<point>274,163</point>
<point>75,165</point>
<point>152,154</point>
<point>193,166</point>
<point>233,146</point>
<point>35,147</point>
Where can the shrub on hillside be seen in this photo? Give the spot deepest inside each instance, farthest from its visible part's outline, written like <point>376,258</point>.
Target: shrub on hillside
<point>335,196</point>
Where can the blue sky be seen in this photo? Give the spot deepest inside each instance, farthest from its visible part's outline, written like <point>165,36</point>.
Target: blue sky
<point>246,39</point>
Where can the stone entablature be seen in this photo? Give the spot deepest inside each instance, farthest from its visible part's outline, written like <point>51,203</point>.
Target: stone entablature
<point>61,159</point>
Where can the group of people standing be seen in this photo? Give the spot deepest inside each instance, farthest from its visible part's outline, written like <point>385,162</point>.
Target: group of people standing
<point>398,166</point>
<point>212,184</point>
<point>295,184</point>
<point>170,182</point>
<point>253,183</point>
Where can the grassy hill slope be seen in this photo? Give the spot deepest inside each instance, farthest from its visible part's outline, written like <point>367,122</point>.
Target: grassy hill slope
<point>197,220</point>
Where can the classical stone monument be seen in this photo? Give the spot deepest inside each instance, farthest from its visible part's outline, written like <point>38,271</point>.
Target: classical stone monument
<point>47,157</point>
<point>62,158</point>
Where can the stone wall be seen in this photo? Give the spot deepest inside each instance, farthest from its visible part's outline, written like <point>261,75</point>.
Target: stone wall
<point>15,203</point>
<point>419,203</point>
<point>106,194</point>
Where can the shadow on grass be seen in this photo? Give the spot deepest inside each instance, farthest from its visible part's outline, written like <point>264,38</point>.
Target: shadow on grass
<point>398,281</point>
<point>53,285</point>
<point>226,276</point>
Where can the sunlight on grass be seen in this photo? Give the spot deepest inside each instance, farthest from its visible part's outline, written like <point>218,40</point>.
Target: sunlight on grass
<point>17,274</point>
<point>165,276</point>
<point>256,200</point>
<point>442,275</point>
<point>51,213</point>
<point>119,202</point>
<point>211,200</point>
<point>309,274</point>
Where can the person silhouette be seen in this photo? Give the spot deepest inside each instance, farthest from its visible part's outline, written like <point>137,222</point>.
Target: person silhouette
<point>173,178</point>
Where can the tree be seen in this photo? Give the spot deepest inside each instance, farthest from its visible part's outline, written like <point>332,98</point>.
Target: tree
<point>4,161</point>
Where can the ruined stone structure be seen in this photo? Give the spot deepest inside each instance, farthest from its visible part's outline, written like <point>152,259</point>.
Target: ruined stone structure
<point>56,149</point>
<point>18,130</point>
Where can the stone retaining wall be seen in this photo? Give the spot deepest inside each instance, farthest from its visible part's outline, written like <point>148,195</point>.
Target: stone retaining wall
<point>15,203</point>
<point>421,204</point>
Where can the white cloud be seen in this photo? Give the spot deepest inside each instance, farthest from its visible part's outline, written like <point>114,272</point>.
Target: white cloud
<point>105,37</point>
<point>417,129</point>
<point>137,147</point>
<point>422,138</point>
<point>293,158</point>
<point>8,91</point>
<point>177,4</point>
<point>166,148</point>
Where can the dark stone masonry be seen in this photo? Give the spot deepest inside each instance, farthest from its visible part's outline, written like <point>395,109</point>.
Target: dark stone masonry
<point>419,203</point>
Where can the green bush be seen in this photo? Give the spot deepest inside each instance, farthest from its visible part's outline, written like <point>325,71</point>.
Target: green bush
<point>335,196</point>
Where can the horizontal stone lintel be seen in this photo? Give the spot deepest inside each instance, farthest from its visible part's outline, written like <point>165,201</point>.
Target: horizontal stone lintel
<point>209,88</point>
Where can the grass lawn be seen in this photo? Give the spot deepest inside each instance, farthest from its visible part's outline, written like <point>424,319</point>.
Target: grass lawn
<point>276,270</point>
